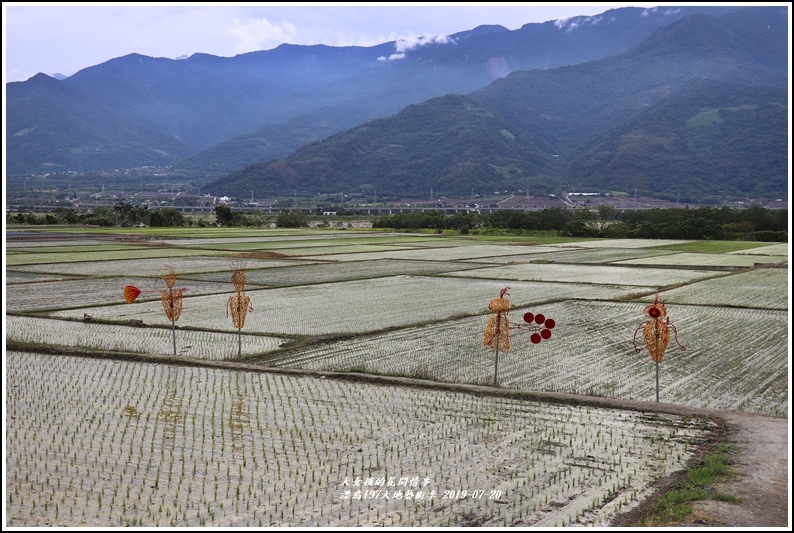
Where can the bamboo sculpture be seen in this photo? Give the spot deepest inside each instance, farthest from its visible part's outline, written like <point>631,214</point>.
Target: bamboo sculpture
<point>656,333</point>
<point>497,331</point>
<point>239,303</point>
<point>171,298</point>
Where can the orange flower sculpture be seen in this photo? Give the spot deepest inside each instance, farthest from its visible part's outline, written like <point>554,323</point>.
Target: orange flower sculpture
<point>656,331</point>
<point>497,331</point>
<point>239,303</point>
<point>171,298</point>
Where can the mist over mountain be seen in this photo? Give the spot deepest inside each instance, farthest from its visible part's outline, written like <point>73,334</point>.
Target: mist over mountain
<point>488,107</point>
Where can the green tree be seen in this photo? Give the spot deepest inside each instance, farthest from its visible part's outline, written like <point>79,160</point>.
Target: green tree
<point>605,214</point>
<point>224,215</point>
<point>124,210</point>
<point>291,219</point>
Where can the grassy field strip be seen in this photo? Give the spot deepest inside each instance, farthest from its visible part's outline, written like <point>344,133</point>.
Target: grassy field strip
<point>329,272</point>
<point>440,242</point>
<point>93,248</point>
<point>13,277</point>
<point>569,273</point>
<point>34,244</point>
<point>590,352</point>
<point>287,247</point>
<point>621,243</point>
<point>783,248</point>
<point>319,253</point>
<point>353,306</point>
<point>211,346</point>
<point>266,236</point>
<point>214,232</point>
<point>90,292</point>
<point>702,260</point>
<point>580,255</point>
<point>128,253</point>
<point>101,443</point>
<point>457,253</point>
<point>763,288</point>
<point>181,265</point>
<point>275,243</point>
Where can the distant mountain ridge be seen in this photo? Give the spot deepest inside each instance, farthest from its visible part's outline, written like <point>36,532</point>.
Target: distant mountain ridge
<point>213,114</point>
<point>700,107</point>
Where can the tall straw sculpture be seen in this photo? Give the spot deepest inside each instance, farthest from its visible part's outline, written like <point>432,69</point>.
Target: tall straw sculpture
<point>656,333</point>
<point>497,331</point>
<point>239,303</point>
<point>171,298</point>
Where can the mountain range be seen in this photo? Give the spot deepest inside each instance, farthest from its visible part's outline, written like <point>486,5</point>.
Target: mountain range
<point>670,100</point>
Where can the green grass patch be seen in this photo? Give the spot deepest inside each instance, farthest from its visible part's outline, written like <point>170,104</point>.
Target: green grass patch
<point>697,484</point>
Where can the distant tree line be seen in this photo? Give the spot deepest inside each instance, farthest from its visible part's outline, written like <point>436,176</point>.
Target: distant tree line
<point>754,223</point>
<point>225,216</point>
<point>121,214</point>
<point>704,223</point>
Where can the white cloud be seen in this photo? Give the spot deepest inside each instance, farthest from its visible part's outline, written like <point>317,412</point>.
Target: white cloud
<point>571,23</point>
<point>261,34</point>
<point>411,42</point>
<point>406,44</point>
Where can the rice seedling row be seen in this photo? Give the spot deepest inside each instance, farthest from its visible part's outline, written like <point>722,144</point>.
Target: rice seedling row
<point>69,294</point>
<point>622,243</point>
<point>166,254</point>
<point>701,260</point>
<point>760,288</point>
<point>330,272</point>
<point>353,306</point>
<point>101,443</point>
<point>591,351</point>
<point>14,277</point>
<point>181,265</point>
<point>591,274</point>
<point>205,345</point>
<point>782,249</point>
<point>577,256</point>
<point>455,253</point>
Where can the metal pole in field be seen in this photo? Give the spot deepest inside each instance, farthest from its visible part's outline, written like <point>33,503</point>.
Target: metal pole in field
<point>173,322</point>
<point>239,329</point>
<point>657,381</point>
<point>496,364</point>
<point>173,331</point>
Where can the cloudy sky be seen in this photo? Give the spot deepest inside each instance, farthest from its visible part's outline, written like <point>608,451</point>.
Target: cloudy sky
<point>65,38</point>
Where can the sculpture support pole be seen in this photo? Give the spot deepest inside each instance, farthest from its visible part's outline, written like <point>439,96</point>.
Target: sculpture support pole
<point>239,329</point>
<point>173,331</point>
<point>657,381</point>
<point>496,364</point>
<point>173,322</point>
